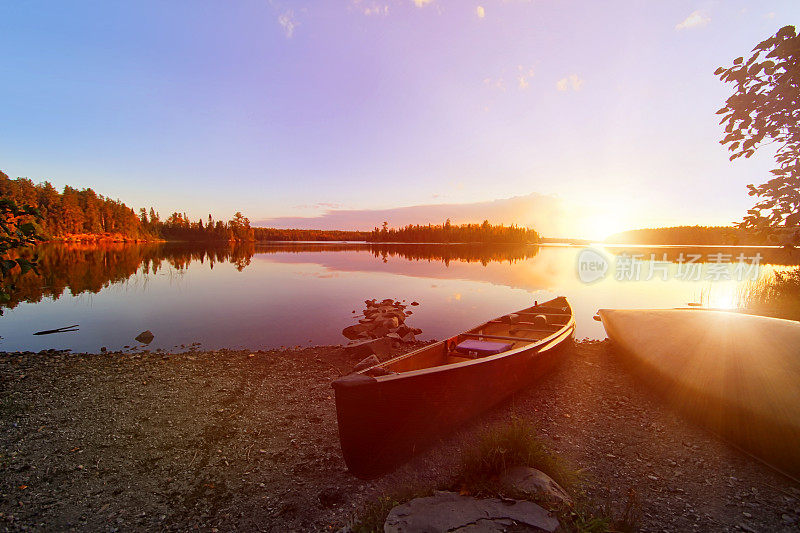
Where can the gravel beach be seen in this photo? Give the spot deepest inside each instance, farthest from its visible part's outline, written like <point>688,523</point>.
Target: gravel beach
<point>217,440</point>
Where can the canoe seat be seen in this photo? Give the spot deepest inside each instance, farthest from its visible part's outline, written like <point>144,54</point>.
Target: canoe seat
<point>477,348</point>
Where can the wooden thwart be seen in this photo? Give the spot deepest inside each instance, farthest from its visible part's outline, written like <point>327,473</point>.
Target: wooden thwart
<point>500,337</point>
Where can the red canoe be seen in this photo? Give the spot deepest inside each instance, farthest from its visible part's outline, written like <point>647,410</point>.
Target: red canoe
<point>391,410</point>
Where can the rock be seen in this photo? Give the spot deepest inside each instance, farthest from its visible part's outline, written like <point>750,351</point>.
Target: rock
<point>408,337</point>
<point>536,484</point>
<point>351,332</point>
<point>387,301</point>
<point>366,363</point>
<point>380,331</point>
<point>379,347</point>
<point>392,322</point>
<point>393,336</point>
<point>145,337</point>
<point>414,303</point>
<point>448,511</point>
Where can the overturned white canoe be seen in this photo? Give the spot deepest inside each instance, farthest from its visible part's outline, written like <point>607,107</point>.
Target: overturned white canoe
<point>738,373</point>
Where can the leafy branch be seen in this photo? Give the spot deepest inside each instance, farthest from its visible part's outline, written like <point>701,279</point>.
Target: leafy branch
<point>765,109</point>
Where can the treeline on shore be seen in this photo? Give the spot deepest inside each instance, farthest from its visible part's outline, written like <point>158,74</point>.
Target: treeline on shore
<point>447,232</point>
<point>688,235</point>
<point>73,212</point>
<point>84,215</point>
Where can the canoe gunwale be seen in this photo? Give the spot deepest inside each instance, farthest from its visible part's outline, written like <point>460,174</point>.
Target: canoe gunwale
<point>540,345</point>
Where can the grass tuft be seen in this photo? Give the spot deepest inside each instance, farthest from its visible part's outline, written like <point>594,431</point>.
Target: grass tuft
<point>501,448</point>
<point>373,515</point>
<point>504,447</point>
<point>587,517</point>
<point>776,296</point>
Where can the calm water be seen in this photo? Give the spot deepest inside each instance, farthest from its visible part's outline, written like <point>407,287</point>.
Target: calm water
<point>267,296</point>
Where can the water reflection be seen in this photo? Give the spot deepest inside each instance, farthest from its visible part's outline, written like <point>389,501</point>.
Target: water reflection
<point>268,295</point>
<point>90,268</point>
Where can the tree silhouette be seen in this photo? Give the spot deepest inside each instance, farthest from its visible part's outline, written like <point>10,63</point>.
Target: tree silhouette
<point>766,107</point>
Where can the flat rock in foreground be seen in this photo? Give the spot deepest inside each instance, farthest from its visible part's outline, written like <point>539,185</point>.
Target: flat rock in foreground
<point>536,484</point>
<point>448,511</point>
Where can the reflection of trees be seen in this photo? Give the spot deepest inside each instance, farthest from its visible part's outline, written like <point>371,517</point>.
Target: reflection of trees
<point>89,268</point>
<point>470,253</point>
<point>467,252</point>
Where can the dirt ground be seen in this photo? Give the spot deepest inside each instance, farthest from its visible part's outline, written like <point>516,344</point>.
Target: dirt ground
<point>248,440</point>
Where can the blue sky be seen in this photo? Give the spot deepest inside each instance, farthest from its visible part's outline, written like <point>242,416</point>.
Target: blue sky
<point>291,109</point>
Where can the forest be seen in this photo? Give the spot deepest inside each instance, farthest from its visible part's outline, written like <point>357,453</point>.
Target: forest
<point>447,232</point>
<point>73,212</point>
<point>84,215</point>
<point>722,235</point>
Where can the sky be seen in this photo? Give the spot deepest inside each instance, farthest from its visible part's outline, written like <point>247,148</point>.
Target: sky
<point>305,112</point>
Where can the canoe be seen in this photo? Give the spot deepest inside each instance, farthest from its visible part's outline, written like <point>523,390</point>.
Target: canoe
<point>389,411</point>
<point>735,373</point>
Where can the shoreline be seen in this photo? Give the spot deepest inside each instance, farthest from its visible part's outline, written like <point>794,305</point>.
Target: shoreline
<point>248,439</point>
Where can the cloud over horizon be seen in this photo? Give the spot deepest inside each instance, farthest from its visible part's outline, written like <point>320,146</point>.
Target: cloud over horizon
<point>546,214</point>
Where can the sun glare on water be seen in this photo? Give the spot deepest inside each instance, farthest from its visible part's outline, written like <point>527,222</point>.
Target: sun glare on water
<point>722,298</point>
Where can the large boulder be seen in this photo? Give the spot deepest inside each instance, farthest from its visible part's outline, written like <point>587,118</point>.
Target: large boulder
<point>535,484</point>
<point>448,511</point>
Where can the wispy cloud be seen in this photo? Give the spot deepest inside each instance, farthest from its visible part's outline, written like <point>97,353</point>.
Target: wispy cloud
<point>770,15</point>
<point>697,19</point>
<point>523,75</point>
<point>287,22</point>
<point>497,83</point>
<point>422,3</point>
<point>371,8</point>
<point>319,205</point>
<point>573,81</point>
<point>480,12</point>
<point>376,10</point>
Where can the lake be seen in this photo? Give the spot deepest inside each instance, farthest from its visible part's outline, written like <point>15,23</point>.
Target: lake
<point>260,296</point>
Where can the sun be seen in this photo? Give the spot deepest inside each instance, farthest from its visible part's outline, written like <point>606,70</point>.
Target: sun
<point>598,219</point>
